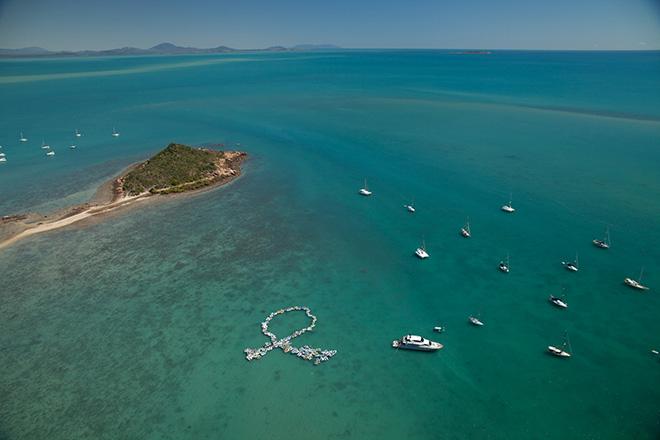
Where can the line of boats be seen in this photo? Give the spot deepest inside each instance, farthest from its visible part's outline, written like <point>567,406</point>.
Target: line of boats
<point>419,343</point>
<point>48,150</point>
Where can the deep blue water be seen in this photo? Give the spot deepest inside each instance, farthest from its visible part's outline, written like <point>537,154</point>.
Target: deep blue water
<point>134,327</point>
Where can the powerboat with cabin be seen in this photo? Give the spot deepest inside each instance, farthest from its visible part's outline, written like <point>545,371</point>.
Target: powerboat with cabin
<point>508,207</point>
<point>418,343</point>
<point>475,321</point>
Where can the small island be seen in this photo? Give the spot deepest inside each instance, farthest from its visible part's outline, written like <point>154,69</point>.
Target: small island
<point>176,169</point>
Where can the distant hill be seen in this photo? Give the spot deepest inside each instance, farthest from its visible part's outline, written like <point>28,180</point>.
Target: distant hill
<point>159,49</point>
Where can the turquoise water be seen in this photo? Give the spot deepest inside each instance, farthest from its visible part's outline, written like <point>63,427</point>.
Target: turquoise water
<point>134,327</point>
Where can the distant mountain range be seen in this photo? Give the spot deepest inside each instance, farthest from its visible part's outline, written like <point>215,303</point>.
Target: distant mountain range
<point>159,49</point>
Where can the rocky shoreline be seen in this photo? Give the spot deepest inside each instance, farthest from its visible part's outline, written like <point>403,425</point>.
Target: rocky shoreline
<point>224,167</point>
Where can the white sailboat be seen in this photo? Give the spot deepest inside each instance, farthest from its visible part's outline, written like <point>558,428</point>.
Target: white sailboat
<point>77,133</point>
<point>421,251</point>
<point>44,145</point>
<point>411,207</point>
<point>563,351</point>
<point>364,191</point>
<point>22,138</point>
<point>115,133</point>
<point>636,284</point>
<point>73,146</point>
<point>475,320</point>
<point>604,243</point>
<point>50,153</point>
<point>559,301</point>
<point>572,266</point>
<point>504,265</point>
<point>508,207</point>
<point>465,230</point>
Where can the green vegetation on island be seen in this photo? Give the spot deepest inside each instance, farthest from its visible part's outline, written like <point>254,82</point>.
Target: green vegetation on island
<point>179,168</point>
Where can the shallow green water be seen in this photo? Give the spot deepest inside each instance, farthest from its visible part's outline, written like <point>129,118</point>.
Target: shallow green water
<point>134,327</point>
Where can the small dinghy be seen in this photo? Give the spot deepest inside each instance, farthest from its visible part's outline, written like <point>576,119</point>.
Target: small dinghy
<point>365,190</point>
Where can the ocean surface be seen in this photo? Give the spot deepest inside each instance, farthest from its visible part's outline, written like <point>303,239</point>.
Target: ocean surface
<point>134,327</point>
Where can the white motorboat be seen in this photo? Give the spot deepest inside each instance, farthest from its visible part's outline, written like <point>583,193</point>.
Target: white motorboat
<point>465,230</point>
<point>604,243</point>
<point>115,133</point>
<point>365,190</point>
<point>564,351</point>
<point>44,145</point>
<point>414,342</point>
<point>2,154</point>
<point>77,133</point>
<point>438,329</point>
<point>72,146</point>
<point>573,266</point>
<point>410,208</point>
<point>508,207</point>
<point>504,265</point>
<point>474,320</point>
<point>3,159</point>
<point>22,138</point>
<point>421,251</point>
<point>50,153</point>
<point>636,284</point>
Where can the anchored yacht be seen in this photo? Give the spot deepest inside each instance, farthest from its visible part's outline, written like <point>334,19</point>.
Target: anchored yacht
<point>604,243</point>
<point>635,284</point>
<point>504,265</point>
<point>573,266</point>
<point>22,138</point>
<point>508,207</point>
<point>365,191</point>
<point>558,301</point>
<point>414,342</point>
<point>564,351</point>
<point>465,230</point>
<point>421,251</point>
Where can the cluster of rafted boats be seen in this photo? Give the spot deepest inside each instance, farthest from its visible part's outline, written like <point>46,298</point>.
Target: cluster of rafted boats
<point>47,148</point>
<point>315,355</point>
<point>414,342</point>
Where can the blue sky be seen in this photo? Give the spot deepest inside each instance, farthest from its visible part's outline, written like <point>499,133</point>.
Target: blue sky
<point>512,24</point>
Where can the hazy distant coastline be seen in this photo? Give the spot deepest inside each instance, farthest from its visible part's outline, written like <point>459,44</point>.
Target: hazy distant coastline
<point>159,49</point>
